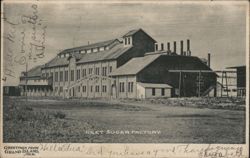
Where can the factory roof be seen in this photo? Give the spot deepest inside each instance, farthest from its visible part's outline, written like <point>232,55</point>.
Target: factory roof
<point>135,65</point>
<point>154,85</point>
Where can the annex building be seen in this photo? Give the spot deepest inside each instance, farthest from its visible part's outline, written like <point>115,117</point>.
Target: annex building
<point>133,66</point>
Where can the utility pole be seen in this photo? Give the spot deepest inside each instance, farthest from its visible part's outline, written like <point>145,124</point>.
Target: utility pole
<point>26,82</point>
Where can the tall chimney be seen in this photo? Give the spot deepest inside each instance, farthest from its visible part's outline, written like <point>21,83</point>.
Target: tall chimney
<point>174,47</point>
<point>156,46</point>
<point>168,50</point>
<point>182,48</point>
<point>208,59</point>
<point>162,46</point>
<point>188,48</point>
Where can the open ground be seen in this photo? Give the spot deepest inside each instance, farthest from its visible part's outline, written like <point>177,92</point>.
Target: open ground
<point>176,120</point>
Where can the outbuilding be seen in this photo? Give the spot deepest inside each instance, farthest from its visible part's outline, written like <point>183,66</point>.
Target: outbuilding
<point>153,90</point>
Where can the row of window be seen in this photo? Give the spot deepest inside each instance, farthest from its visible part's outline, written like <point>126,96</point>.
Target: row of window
<point>92,50</point>
<point>122,87</point>
<point>128,40</point>
<point>60,78</point>
<point>162,91</point>
<point>84,89</point>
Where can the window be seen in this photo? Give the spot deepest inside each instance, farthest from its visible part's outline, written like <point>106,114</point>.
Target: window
<point>125,41</point>
<point>121,87</point>
<point>84,89</point>
<point>84,73</point>
<point>79,88</point>
<point>153,91</point>
<point>104,88</point>
<point>90,70</point>
<point>91,88</point>
<point>110,69</point>
<point>66,75</point>
<point>97,71</point>
<point>72,75</point>
<point>130,87</point>
<point>77,74</point>
<point>51,75</point>
<point>47,75</point>
<point>56,76</point>
<point>61,76</point>
<point>97,88</point>
<point>129,40</point>
<point>61,89</point>
<point>104,71</point>
<point>56,89</point>
<point>163,91</point>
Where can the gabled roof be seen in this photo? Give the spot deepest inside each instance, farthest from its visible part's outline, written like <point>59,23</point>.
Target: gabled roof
<point>132,32</point>
<point>57,62</point>
<point>109,54</point>
<point>94,45</point>
<point>34,72</point>
<point>135,65</point>
<point>154,85</point>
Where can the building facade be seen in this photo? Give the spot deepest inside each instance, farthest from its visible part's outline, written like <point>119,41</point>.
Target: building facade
<point>131,67</point>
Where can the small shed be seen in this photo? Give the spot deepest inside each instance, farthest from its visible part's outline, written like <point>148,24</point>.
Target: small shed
<point>153,90</point>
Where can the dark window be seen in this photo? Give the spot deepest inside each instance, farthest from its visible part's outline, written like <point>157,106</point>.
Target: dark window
<point>51,75</point>
<point>125,41</point>
<point>79,88</point>
<point>104,71</point>
<point>104,88</point>
<point>66,75</point>
<point>61,76</point>
<point>83,88</point>
<point>153,91</point>
<point>56,76</point>
<point>91,88</point>
<point>110,69</point>
<point>121,88</point>
<point>77,74</point>
<point>72,75</point>
<point>97,88</point>
<point>90,70</point>
<point>162,91</point>
<point>97,71</point>
<point>129,40</point>
<point>130,87</point>
<point>84,73</point>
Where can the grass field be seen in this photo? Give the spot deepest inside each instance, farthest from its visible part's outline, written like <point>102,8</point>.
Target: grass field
<point>186,120</point>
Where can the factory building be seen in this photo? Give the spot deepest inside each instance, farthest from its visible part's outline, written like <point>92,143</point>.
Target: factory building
<point>133,66</point>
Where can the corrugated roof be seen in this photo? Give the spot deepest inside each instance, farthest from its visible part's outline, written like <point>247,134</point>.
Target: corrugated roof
<point>154,85</point>
<point>112,53</point>
<point>35,71</point>
<point>135,65</point>
<point>57,62</point>
<point>94,45</point>
<point>131,32</point>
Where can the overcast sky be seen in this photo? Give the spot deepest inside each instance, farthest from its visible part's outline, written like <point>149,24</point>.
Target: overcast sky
<point>217,28</point>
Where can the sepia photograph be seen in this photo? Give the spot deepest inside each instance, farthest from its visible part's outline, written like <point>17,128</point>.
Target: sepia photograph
<point>133,72</point>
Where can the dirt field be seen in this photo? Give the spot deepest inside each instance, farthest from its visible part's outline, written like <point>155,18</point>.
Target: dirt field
<point>152,121</point>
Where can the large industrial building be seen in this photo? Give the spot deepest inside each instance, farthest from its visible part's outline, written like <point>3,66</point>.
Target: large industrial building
<point>134,66</point>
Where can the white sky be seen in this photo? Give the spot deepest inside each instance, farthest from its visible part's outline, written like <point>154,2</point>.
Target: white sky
<point>218,28</point>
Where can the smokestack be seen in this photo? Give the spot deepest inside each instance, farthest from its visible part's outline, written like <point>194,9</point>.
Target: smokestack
<point>182,48</point>
<point>208,59</point>
<point>162,46</point>
<point>156,47</point>
<point>174,47</point>
<point>168,50</point>
<point>188,48</point>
